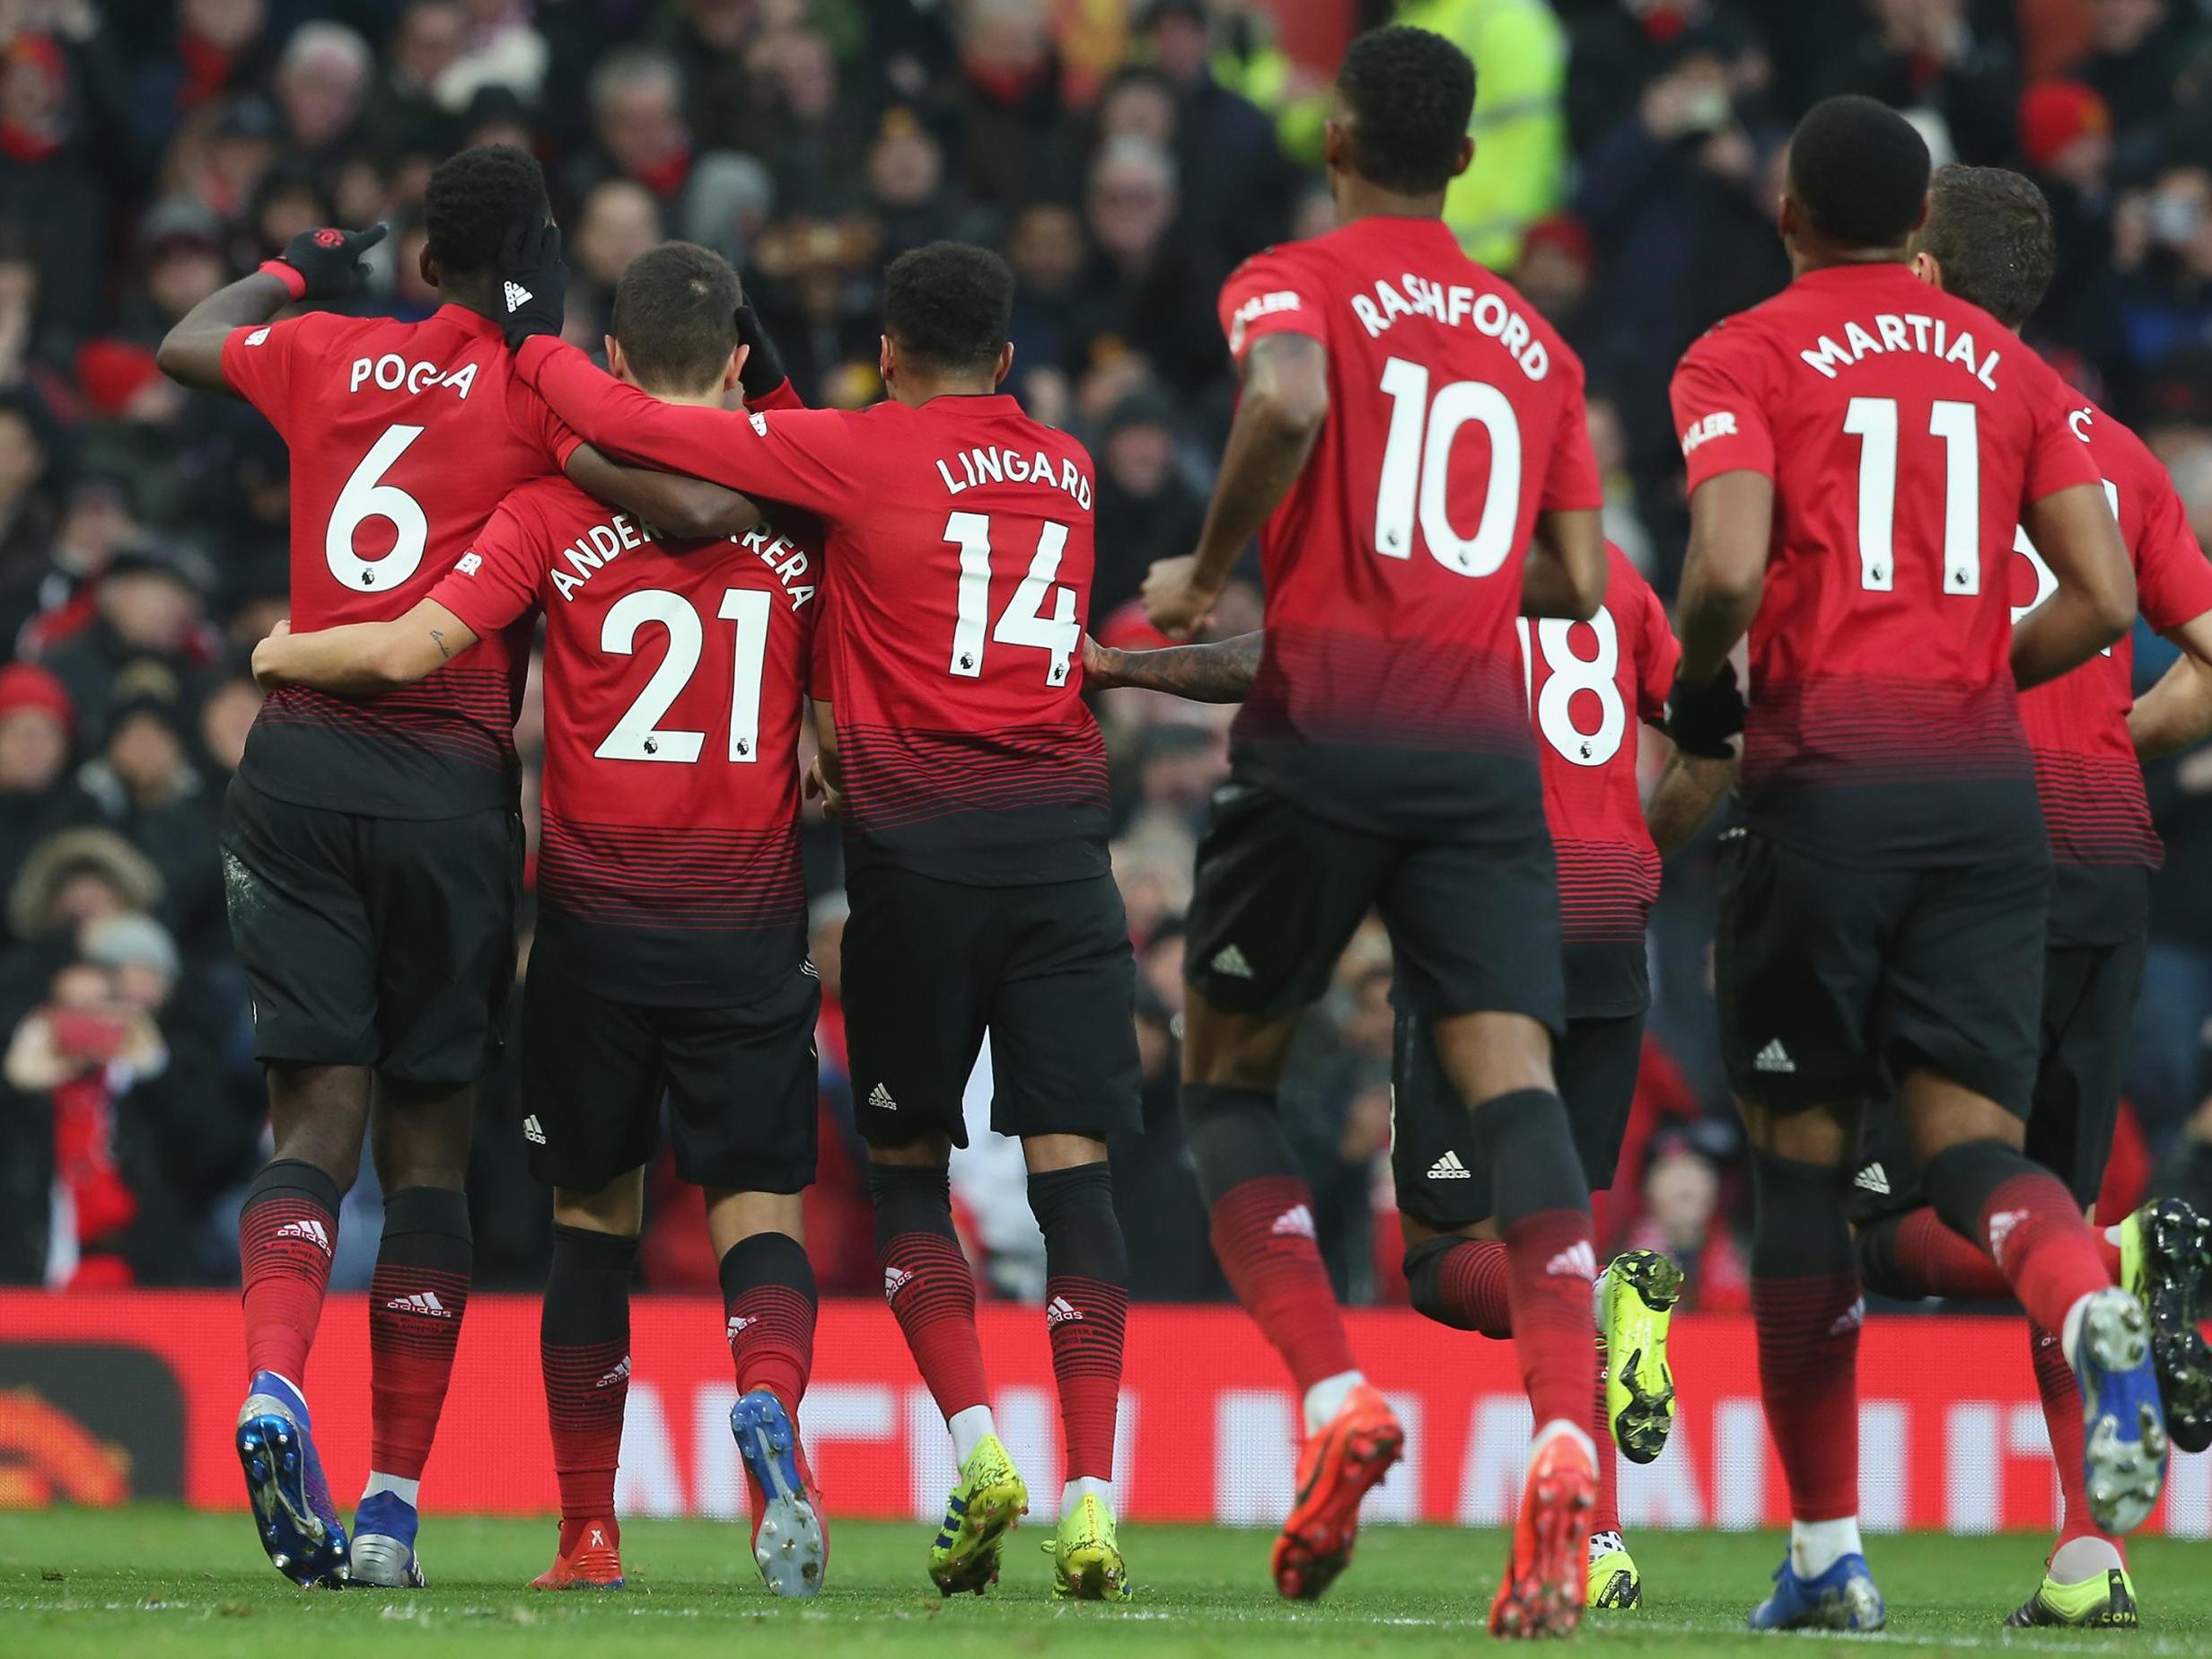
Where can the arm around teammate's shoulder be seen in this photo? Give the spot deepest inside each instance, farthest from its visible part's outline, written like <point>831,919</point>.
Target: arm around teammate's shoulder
<point>680,507</point>
<point>362,659</point>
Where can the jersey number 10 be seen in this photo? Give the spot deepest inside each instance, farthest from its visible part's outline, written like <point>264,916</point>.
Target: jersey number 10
<point>1416,471</point>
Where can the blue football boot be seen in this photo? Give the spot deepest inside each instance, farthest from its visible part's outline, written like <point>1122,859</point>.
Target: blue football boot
<point>292,1513</point>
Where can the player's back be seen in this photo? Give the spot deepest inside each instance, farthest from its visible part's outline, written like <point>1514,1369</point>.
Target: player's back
<point>2086,772</point>
<point>958,590</point>
<point>403,438</point>
<point>675,678</point>
<point>1905,431</point>
<point>1390,692</point>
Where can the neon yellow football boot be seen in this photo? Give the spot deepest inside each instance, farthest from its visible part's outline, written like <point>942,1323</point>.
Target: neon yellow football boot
<point>1613,1579</point>
<point>1086,1559</point>
<point>987,1501</point>
<point>1636,1305</point>
<point>2105,1602</point>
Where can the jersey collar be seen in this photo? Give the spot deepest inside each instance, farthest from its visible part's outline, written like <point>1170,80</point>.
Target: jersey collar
<point>468,321</point>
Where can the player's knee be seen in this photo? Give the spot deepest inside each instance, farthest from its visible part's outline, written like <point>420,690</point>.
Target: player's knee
<point>419,1134</point>
<point>1874,1244</point>
<point>910,1199</point>
<point>1074,1210</point>
<point>1524,1139</point>
<point>1233,1136</point>
<point>1424,1266</point>
<point>1233,1050</point>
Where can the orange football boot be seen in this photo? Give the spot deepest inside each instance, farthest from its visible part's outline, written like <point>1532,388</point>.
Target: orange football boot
<point>1354,1449</point>
<point>590,1558</point>
<point>1546,1576</point>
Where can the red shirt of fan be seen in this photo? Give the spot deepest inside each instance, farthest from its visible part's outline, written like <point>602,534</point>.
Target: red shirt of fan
<point>1905,432</point>
<point>1388,694</point>
<point>674,681</point>
<point>1591,685</point>
<point>404,436</point>
<point>960,552</point>
<point>2086,765</point>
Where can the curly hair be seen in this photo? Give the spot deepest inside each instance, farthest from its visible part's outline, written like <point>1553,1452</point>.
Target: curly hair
<point>950,305</point>
<point>1410,94</point>
<point>1990,228</point>
<point>474,198</point>
<point>1859,170</point>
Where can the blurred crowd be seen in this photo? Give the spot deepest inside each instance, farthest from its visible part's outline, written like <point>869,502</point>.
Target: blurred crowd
<point>1123,154</point>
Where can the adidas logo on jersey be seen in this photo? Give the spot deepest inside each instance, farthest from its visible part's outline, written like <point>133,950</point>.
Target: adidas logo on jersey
<point>1873,1178</point>
<point>518,296</point>
<point>620,1373</point>
<point>1295,1223</point>
<point>1059,1312</point>
<point>311,1230</point>
<point>2001,1225</point>
<point>1577,1260</point>
<point>423,1301</point>
<point>894,1281</point>
<point>1773,1057</point>
<point>533,1131</point>
<point>880,1098</point>
<point>1229,960</point>
<point>1450,1168</point>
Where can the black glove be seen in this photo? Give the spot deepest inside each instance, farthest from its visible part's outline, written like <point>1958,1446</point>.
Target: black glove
<point>533,282</point>
<point>1702,718</point>
<point>325,264</point>
<point>764,369</point>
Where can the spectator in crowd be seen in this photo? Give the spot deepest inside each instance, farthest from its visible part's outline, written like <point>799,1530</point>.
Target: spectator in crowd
<point>1235,180</point>
<point>37,726</point>
<point>1147,509</point>
<point>1926,55</point>
<point>322,84</point>
<point>1149,287</point>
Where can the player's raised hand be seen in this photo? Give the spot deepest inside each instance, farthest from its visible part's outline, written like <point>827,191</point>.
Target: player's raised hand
<point>533,282</point>
<point>1174,601</point>
<point>325,263</point>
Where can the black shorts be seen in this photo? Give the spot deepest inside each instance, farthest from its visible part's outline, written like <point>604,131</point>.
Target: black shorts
<point>930,965</point>
<point>379,942</point>
<point>1833,981</point>
<point>1474,926</point>
<point>1442,1181</point>
<point>2089,995</point>
<point>740,1083</point>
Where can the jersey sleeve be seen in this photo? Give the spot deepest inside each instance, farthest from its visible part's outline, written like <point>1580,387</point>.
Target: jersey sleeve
<point>1269,295</point>
<point>1571,481</point>
<point>802,457</point>
<point>1718,416</point>
<point>1658,656</point>
<point>2173,579</point>
<point>2057,459</point>
<point>260,362</point>
<point>496,580</point>
<point>535,419</point>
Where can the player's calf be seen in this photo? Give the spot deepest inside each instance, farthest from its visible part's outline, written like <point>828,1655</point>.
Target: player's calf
<point>1086,1317</point>
<point>770,1304</point>
<point>583,1346</point>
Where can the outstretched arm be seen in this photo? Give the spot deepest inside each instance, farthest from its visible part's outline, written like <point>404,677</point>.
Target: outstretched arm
<point>1219,672</point>
<point>678,506</point>
<point>364,658</point>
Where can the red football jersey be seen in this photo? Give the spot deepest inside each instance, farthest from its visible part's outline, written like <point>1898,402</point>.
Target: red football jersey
<point>1394,566</point>
<point>1905,430</point>
<point>1591,685</point>
<point>2086,765</point>
<point>404,436</point>
<point>675,679</point>
<point>960,549</point>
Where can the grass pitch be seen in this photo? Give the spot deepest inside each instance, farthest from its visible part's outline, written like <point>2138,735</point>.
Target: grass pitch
<point>147,1582</point>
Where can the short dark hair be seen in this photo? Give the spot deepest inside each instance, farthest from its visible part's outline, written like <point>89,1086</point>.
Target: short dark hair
<point>1990,228</point>
<point>474,198</point>
<point>1410,94</point>
<point>675,315</point>
<point>1859,170</point>
<point>948,304</point>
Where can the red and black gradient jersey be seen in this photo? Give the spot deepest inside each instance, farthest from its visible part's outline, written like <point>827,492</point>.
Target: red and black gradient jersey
<point>1388,695</point>
<point>1591,686</point>
<point>404,436</point>
<point>2085,767</point>
<point>960,550</point>
<point>675,677</point>
<point>1905,431</point>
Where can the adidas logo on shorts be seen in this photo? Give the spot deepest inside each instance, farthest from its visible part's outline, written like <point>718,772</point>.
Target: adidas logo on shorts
<point>1450,1168</point>
<point>880,1098</point>
<point>518,296</point>
<point>894,1281</point>
<point>1229,960</point>
<point>533,1131</point>
<point>1873,1178</point>
<point>423,1301</point>
<point>1577,1260</point>
<point>1773,1057</point>
<point>311,1230</point>
<point>620,1373</point>
<point>1295,1223</point>
<point>1059,1312</point>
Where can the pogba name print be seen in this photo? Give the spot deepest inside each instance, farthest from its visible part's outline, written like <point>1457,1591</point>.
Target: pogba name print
<point>393,372</point>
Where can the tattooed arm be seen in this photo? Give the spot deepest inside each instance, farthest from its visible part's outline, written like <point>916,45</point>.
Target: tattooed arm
<point>1220,672</point>
<point>364,658</point>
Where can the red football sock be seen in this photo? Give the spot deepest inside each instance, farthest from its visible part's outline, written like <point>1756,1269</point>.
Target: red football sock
<point>1471,1289</point>
<point>1808,1379</point>
<point>1085,1320</point>
<point>2062,1417</point>
<point>583,1346</point>
<point>1932,1261</point>
<point>2037,1235</point>
<point>417,1299</point>
<point>1606,1518</point>
<point>1548,1266</point>
<point>1263,1234</point>
<point>286,1233</point>
<point>768,1303</point>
